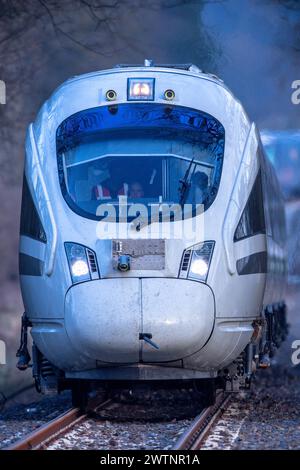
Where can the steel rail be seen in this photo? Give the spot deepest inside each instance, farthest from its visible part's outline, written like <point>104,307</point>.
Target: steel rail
<point>194,436</point>
<point>45,434</point>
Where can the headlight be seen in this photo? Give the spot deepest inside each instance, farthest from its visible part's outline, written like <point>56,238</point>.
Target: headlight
<point>82,262</point>
<point>141,89</point>
<point>79,268</point>
<point>196,261</point>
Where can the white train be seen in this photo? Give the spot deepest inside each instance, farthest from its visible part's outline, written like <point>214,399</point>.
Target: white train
<point>104,300</point>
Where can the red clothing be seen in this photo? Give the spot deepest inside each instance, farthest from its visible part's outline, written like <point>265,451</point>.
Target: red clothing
<point>101,192</point>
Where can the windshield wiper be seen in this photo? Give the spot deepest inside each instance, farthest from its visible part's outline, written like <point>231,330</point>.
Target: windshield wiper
<point>185,184</point>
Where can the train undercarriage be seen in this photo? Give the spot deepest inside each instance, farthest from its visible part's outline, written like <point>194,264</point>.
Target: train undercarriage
<point>268,334</point>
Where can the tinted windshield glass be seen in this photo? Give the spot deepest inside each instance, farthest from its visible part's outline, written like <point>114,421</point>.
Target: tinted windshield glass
<point>150,153</point>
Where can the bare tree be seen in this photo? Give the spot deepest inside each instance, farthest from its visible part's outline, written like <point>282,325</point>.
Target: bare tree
<point>43,42</point>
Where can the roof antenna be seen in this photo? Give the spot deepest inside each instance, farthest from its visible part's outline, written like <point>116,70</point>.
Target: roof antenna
<point>148,63</point>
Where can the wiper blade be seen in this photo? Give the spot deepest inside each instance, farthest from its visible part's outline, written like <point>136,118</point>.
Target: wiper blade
<point>185,184</point>
<point>147,221</point>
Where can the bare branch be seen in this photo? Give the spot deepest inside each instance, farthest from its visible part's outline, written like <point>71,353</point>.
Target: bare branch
<point>59,30</point>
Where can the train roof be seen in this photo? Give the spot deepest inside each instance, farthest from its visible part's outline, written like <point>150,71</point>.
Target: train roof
<point>148,66</point>
<point>205,91</point>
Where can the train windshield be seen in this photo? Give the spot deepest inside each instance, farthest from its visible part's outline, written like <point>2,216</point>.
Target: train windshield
<point>149,153</point>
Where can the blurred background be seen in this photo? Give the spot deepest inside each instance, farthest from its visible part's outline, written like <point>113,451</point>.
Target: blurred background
<point>253,45</point>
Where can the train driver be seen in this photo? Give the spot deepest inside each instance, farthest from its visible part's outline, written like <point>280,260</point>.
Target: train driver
<point>136,190</point>
<point>199,187</point>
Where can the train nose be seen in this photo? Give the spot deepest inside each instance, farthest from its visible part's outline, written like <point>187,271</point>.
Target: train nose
<point>126,320</point>
<point>103,319</point>
<point>179,315</point>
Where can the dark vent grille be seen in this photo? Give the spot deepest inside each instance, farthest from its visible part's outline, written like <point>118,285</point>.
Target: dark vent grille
<point>46,368</point>
<point>186,261</point>
<point>92,261</point>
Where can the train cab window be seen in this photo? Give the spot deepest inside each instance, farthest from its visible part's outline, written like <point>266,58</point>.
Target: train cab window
<point>30,225</point>
<point>150,153</point>
<point>252,221</point>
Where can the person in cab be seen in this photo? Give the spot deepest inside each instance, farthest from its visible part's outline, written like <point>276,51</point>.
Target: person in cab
<point>109,187</point>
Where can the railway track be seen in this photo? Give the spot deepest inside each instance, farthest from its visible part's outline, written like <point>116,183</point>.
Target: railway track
<point>44,435</point>
<point>196,433</point>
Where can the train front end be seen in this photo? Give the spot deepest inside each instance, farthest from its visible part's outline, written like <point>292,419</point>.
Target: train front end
<point>124,176</point>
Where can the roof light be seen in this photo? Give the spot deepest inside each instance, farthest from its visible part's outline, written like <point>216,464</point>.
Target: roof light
<point>141,89</point>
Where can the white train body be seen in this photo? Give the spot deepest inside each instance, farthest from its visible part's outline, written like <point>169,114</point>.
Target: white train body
<point>108,327</point>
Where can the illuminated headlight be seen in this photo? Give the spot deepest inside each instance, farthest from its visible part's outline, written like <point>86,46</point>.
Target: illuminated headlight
<point>79,268</point>
<point>141,89</point>
<point>82,262</point>
<point>196,261</point>
<point>199,267</point>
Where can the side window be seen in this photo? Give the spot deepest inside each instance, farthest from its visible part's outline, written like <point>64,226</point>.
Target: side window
<point>30,222</point>
<point>252,220</point>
